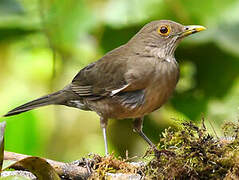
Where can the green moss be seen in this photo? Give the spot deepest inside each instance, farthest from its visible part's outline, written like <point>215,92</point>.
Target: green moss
<point>188,152</point>
<point>110,164</point>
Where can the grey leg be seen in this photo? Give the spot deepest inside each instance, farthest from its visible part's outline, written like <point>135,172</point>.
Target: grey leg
<point>103,124</point>
<point>138,125</point>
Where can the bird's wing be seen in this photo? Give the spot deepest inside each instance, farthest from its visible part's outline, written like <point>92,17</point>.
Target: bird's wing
<point>98,80</point>
<point>109,76</point>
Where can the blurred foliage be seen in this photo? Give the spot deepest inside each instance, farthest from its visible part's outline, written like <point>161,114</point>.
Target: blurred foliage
<point>44,43</point>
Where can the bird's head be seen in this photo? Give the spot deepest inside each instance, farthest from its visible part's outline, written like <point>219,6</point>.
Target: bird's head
<point>162,37</point>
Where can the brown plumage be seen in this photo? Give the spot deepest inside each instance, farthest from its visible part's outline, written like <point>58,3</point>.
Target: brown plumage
<point>128,82</point>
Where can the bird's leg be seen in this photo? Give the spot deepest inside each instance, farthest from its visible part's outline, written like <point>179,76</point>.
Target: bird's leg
<point>138,125</point>
<point>103,124</point>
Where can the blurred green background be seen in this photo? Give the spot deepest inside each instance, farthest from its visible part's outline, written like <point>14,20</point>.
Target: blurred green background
<point>44,43</point>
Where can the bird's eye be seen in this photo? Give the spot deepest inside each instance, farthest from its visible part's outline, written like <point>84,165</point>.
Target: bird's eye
<point>164,30</point>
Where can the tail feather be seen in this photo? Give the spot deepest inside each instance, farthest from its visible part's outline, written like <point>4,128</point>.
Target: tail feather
<point>54,98</point>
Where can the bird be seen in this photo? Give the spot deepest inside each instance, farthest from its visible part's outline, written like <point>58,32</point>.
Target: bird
<point>130,81</point>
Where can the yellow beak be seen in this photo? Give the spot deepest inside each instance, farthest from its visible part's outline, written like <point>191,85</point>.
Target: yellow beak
<point>192,29</point>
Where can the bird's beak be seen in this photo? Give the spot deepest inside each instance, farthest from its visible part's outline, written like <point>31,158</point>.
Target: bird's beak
<point>191,30</point>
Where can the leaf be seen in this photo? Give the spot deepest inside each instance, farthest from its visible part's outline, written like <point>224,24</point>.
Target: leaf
<point>226,37</point>
<point>124,12</point>
<point>38,166</point>
<point>66,25</point>
<point>7,163</point>
<point>2,130</point>
<point>10,7</point>
<point>216,73</point>
<point>14,33</point>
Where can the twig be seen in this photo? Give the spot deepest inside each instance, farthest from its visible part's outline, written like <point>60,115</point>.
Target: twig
<point>213,129</point>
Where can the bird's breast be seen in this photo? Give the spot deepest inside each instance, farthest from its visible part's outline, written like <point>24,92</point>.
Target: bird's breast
<point>139,103</point>
<point>161,86</point>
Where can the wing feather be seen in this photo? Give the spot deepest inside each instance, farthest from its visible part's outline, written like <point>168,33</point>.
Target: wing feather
<point>114,73</point>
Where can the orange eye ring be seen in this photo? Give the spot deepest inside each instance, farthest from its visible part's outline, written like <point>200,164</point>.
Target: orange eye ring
<point>164,30</point>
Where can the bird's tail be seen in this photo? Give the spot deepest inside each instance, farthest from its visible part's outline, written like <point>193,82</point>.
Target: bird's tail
<point>54,98</point>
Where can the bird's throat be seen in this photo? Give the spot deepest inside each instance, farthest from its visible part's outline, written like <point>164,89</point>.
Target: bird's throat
<point>161,53</point>
<point>165,51</point>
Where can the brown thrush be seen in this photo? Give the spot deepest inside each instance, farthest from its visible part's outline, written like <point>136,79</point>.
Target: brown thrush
<point>129,81</point>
